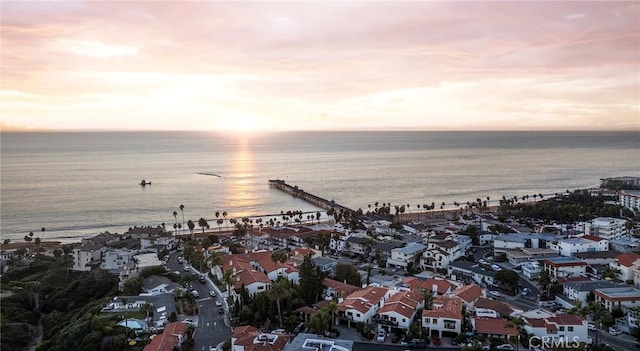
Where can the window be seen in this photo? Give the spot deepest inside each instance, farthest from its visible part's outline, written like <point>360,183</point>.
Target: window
<point>569,328</point>
<point>561,328</point>
<point>427,320</point>
<point>357,314</point>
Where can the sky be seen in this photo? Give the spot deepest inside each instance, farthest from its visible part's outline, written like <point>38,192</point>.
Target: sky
<point>320,65</point>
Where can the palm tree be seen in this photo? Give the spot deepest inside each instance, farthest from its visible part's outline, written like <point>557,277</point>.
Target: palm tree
<point>182,210</point>
<point>191,225</point>
<point>202,223</point>
<point>175,215</point>
<point>215,259</point>
<point>227,280</point>
<point>278,291</point>
<point>43,229</point>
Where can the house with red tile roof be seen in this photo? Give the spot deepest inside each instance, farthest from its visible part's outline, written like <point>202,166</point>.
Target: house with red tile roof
<point>495,309</point>
<point>438,285</point>
<point>494,328</point>
<point>334,288</point>
<point>249,338</point>
<point>400,309</point>
<point>469,294</point>
<point>566,327</point>
<point>172,335</point>
<point>362,305</point>
<point>445,317</point>
<point>624,264</point>
<point>245,274</point>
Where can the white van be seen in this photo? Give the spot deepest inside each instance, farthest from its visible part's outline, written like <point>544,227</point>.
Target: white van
<point>613,331</point>
<point>195,293</point>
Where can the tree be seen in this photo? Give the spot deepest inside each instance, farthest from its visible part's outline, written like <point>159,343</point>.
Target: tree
<point>311,278</point>
<point>191,226</point>
<point>175,216</point>
<point>202,223</point>
<point>182,211</point>
<point>427,296</point>
<point>348,273</point>
<point>545,280</point>
<point>508,278</point>
<point>610,272</point>
<point>43,229</point>
<point>278,291</point>
<point>227,280</point>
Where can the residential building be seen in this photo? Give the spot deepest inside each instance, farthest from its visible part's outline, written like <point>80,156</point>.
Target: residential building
<point>624,264</point>
<point>519,256</point>
<point>358,245</point>
<point>445,316</point>
<point>497,328</point>
<point>315,342</point>
<point>409,255</point>
<point>566,327</point>
<point>607,227</point>
<point>334,288</point>
<point>636,273</point>
<point>626,244</point>
<point>325,264</point>
<point>531,269</point>
<point>570,246</point>
<point>630,199</point>
<point>580,290</point>
<point>465,271</point>
<point>87,257</point>
<point>485,307</point>
<point>115,260</point>
<point>622,297</point>
<point>172,336</point>
<point>564,267</point>
<point>361,306</point>
<point>249,338</point>
<point>400,310</point>
<point>437,285</point>
<point>469,293</point>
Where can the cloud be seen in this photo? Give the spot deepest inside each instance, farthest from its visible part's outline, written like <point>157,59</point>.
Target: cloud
<point>384,63</point>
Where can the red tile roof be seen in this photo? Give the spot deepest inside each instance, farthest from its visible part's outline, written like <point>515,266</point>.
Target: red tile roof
<point>445,307</point>
<point>592,237</point>
<point>442,285</point>
<point>566,319</point>
<point>363,300</point>
<point>469,293</point>
<point>627,259</point>
<point>341,288</point>
<point>403,303</point>
<point>504,309</point>
<point>168,339</point>
<point>495,326</point>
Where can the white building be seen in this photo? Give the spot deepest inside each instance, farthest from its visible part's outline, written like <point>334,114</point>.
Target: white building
<point>562,267</point>
<point>400,309</point>
<point>531,269</point>
<point>402,256</point>
<point>117,259</point>
<point>630,199</point>
<point>86,257</point>
<point>445,316</point>
<point>565,327</point>
<point>607,227</point>
<point>613,298</point>
<point>362,306</point>
<point>568,247</point>
<point>624,264</point>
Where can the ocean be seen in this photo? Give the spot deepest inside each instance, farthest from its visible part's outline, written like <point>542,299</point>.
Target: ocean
<point>83,183</point>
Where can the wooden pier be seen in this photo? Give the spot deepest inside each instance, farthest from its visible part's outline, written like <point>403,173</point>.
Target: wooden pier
<point>310,198</point>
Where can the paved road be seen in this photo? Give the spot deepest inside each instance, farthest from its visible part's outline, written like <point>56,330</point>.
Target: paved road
<point>620,342</point>
<point>211,328</point>
<point>361,346</point>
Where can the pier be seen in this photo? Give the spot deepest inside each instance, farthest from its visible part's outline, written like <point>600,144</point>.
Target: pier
<point>310,198</point>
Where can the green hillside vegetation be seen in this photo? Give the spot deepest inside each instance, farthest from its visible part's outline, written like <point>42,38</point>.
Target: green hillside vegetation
<point>66,304</point>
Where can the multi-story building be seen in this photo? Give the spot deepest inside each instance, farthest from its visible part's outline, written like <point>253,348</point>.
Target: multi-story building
<point>607,227</point>
<point>570,246</point>
<point>401,257</point>
<point>618,298</point>
<point>400,309</point>
<point>624,265</point>
<point>115,260</point>
<point>87,257</point>
<point>444,317</point>
<point>561,267</point>
<point>362,306</point>
<point>566,327</point>
<point>630,199</point>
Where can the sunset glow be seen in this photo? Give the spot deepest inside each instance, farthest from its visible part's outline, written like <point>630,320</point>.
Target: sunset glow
<point>250,66</point>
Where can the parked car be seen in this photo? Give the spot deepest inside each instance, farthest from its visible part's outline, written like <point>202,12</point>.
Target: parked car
<point>212,293</point>
<point>381,336</point>
<point>495,293</point>
<point>504,347</point>
<point>417,345</point>
<point>482,261</point>
<point>496,268</point>
<point>591,326</point>
<point>613,331</point>
<point>195,293</point>
<point>218,303</point>
<point>186,268</point>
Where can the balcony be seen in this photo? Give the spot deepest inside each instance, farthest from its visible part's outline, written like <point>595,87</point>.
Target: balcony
<point>385,321</point>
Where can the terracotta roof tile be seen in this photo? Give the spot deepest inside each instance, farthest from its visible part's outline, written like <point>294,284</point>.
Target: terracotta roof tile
<point>495,326</point>
<point>627,259</point>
